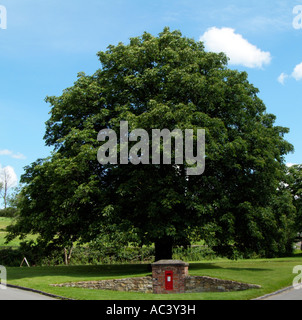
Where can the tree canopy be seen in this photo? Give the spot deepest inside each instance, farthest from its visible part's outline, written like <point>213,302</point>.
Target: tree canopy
<point>295,187</point>
<point>166,82</point>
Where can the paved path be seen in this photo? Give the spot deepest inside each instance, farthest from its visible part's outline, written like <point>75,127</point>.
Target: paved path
<point>287,294</point>
<point>17,294</point>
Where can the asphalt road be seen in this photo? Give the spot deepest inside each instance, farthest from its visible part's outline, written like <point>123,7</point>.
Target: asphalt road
<point>17,294</point>
<point>287,294</point>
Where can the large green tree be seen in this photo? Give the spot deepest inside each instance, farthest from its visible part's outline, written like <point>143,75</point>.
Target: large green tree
<point>161,82</point>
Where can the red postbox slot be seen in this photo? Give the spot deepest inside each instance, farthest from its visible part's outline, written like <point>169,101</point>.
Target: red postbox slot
<point>169,280</point>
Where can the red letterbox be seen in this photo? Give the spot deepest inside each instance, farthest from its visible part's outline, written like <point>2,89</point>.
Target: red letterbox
<point>169,280</point>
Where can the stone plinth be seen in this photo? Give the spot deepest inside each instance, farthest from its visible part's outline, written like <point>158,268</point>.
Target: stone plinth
<point>169,276</point>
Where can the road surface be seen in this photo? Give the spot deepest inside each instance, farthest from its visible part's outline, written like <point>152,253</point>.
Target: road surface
<point>287,294</point>
<point>17,294</point>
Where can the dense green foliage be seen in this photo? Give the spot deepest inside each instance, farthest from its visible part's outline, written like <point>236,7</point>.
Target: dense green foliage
<point>295,187</point>
<point>161,82</point>
<point>8,212</point>
<point>91,255</point>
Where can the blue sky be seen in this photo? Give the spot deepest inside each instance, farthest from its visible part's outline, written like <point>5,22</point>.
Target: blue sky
<point>46,43</point>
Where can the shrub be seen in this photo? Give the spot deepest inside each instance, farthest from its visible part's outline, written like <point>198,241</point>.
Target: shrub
<point>81,255</point>
<point>8,212</point>
<point>193,253</point>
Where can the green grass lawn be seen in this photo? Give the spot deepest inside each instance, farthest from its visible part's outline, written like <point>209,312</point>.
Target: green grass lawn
<point>271,274</point>
<point>4,222</point>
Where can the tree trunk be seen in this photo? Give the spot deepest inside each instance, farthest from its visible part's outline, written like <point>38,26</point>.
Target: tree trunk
<point>67,256</point>
<point>163,249</point>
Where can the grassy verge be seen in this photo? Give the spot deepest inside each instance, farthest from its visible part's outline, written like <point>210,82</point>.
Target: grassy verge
<point>271,274</point>
<point>4,222</point>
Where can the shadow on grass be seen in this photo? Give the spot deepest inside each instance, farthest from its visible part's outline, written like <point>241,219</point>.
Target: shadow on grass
<point>210,266</point>
<point>297,255</point>
<point>94,272</point>
<point>85,271</point>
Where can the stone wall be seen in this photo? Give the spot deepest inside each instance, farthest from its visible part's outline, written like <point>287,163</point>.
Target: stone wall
<point>145,285</point>
<point>139,284</point>
<point>207,284</point>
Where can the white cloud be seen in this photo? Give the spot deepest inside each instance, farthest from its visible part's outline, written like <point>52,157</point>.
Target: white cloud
<point>297,73</point>
<point>5,152</point>
<point>18,156</point>
<point>282,77</point>
<point>11,154</point>
<point>290,164</point>
<point>238,49</point>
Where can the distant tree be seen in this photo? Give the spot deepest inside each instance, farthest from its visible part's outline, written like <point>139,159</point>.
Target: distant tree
<point>295,186</point>
<point>14,196</point>
<point>162,82</point>
<point>6,183</point>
